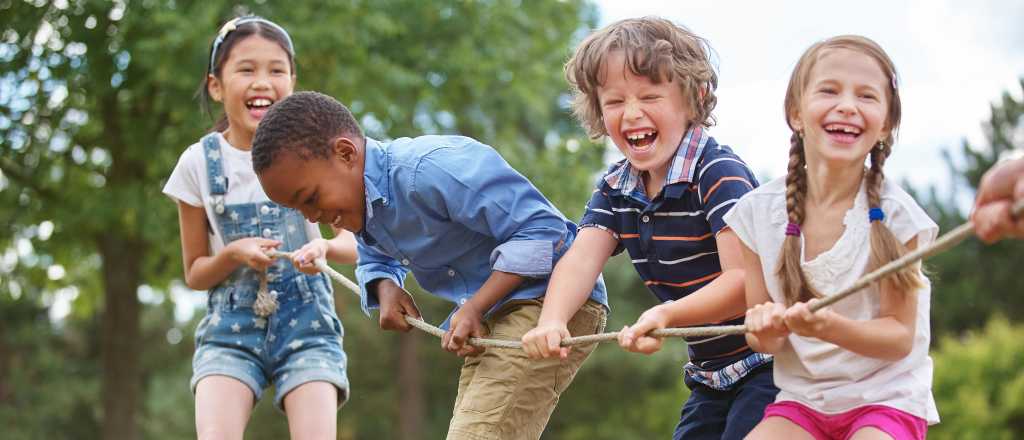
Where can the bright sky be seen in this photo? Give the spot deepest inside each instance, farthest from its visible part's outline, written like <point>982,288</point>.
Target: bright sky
<point>954,58</point>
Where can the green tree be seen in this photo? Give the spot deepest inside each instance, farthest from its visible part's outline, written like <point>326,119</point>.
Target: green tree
<point>974,280</point>
<point>96,106</point>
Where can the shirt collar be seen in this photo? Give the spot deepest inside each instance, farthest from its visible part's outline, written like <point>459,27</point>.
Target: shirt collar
<point>627,179</point>
<point>375,170</point>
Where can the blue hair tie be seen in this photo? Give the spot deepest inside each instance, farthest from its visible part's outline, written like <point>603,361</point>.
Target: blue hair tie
<point>876,214</point>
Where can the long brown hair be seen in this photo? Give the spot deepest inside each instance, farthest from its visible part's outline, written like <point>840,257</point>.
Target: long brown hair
<point>884,245</point>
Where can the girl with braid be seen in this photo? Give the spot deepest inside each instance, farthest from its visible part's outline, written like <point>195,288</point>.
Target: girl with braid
<point>858,369</point>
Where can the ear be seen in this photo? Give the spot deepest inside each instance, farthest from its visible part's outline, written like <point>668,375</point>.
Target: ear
<point>346,150</point>
<point>214,87</point>
<point>795,122</point>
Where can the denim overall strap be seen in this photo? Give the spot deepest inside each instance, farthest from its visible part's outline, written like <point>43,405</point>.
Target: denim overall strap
<point>215,171</point>
<point>265,302</point>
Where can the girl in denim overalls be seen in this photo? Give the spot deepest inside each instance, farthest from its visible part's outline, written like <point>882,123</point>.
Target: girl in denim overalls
<point>268,322</point>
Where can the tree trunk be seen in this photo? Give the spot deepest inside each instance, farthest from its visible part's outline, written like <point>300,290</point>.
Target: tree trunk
<point>5,357</point>
<point>410,388</point>
<point>120,344</point>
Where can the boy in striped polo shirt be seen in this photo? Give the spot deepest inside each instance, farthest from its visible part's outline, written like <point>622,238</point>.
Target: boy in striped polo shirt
<point>649,86</point>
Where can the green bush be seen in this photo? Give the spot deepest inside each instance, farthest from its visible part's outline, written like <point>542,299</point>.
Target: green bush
<point>979,384</point>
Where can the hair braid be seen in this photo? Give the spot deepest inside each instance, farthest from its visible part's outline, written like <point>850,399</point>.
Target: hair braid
<point>794,283</point>
<point>885,247</point>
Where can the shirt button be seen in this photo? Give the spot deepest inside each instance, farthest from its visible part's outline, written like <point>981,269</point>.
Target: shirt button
<point>405,262</point>
<point>264,210</point>
<point>462,302</point>
<point>645,219</point>
<point>266,233</point>
<point>218,208</point>
<point>451,272</point>
<point>273,293</point>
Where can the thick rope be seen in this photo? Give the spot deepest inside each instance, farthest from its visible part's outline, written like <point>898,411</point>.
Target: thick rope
<point>943,243</point>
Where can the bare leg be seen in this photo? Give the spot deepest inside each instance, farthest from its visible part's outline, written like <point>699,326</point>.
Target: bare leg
<point>778,427</point>
<point>312,410</point>
<point>870,433</point>
<point>223,407</point>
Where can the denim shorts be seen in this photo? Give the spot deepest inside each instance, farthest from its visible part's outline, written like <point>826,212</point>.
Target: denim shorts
<point>299,343</point>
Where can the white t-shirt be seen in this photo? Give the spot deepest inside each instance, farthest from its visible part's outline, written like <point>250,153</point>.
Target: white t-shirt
<point>819,374</point>
<point>189,184</point>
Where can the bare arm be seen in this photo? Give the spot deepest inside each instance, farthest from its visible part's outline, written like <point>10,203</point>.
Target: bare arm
<point>342,248</point>
<point>722,298</point>
<point>203,271</point>
<point>466,322</point>
<point>719,300</point>
<point>890,336</point>
<point>571,282</point>
<point>766,331</point>
<point>574,276</point>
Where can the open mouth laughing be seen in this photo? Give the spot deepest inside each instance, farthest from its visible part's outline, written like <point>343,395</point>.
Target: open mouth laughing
<point>258,106</point>
<point>843,133</point>
<point>641,139</point>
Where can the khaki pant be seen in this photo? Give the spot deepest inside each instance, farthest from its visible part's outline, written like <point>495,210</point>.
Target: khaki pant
<point>503,394</point>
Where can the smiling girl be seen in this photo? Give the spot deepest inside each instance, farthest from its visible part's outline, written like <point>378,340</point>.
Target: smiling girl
<point>860,368</point>
<point>267,322</point>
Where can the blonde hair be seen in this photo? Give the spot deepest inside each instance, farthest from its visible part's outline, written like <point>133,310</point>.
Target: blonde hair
<point>654,48</point>
<point>884,245</point>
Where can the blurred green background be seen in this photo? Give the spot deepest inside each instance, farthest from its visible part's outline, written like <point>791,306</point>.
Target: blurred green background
<point>96,104</point>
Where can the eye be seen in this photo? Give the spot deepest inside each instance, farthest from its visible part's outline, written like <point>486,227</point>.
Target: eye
<point>312,198</point>
<point>278,71</point>
<point>612,102</point>
<point>869,96</point>
<point>827,90</point>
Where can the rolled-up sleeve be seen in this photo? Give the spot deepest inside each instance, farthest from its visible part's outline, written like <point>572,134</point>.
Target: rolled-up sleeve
<point>374,265</point>
<point>474,186</point>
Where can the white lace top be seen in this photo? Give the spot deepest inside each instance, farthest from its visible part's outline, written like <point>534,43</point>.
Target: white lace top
<point>819,374</point>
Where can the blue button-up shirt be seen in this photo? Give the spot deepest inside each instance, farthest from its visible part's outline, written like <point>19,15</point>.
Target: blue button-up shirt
<point>451,210</point>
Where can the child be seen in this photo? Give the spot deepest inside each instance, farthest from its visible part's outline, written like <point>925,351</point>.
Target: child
<point>1000,188</point>
<point>649,86</point>
<point>861,367</point>
<point>470,228</point>
<point>227,224</point>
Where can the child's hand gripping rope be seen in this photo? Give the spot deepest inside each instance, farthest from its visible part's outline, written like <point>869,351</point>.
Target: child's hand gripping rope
<point>943,243</point>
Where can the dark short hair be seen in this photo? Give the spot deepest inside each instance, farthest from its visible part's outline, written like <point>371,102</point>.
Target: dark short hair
<point>305,123</point>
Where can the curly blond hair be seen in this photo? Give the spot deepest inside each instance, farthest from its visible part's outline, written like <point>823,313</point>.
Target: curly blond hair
<point>654,48</point>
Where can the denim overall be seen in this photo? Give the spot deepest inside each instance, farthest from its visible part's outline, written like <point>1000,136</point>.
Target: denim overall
<point>301,341</point>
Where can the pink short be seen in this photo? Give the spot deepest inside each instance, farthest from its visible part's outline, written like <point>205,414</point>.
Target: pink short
<point>898,424</point>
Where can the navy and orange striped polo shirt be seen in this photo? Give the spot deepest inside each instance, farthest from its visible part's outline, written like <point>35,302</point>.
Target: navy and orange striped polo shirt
<point>671,239</point>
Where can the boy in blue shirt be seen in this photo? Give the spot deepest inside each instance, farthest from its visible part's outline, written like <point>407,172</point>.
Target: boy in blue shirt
<point>469,227</point>
<point>648,85</point>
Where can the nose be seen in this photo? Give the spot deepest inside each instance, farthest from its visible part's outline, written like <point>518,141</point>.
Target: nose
<point>847,104</point>
<point>632,110</point>
<point>262,81</point>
